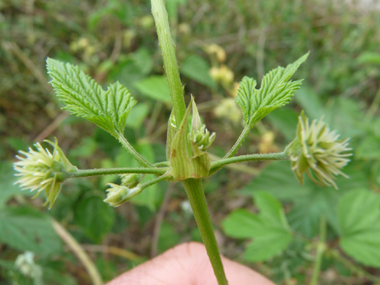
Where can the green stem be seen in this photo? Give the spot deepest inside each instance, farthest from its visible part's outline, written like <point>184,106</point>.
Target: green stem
<point>195,193</point>
<point>320,250</point>
<point>133,152</point>
<point>170,62</point>
<point>216,165</point>
<point>155,180</point>
<point>109,171</point>
<point>162,163</point>
<point>242,167</point>
<point>193,187</point>
<point>239,142</point>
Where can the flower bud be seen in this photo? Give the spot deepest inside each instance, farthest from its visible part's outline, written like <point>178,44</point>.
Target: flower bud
<point>199,135</point>
<point>131,180</point>
<point>202,138</point>
<point>118,194</point>
<point>317,149</point>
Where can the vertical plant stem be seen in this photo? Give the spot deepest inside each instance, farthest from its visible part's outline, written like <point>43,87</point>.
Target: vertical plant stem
<point>193,187</point>
<point>170,62</point>
<point>320,249</point>
<point>195,193</point>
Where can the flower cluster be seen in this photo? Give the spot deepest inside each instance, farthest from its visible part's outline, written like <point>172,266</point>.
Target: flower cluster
<point>317,149</point>
<point>40,170</point>
<point>202,138</point>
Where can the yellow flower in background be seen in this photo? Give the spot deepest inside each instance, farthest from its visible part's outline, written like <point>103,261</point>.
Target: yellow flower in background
<point>40,170</point>
<point>317,149</point>
<point>228,109</point>
<point>217,50</point>
<point>222,75</point>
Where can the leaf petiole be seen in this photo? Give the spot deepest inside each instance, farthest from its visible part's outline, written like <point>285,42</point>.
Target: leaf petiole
<point>142,161</point>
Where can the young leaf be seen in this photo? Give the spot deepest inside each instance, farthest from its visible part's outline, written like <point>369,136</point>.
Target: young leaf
<point>359,222</point>
<point>269,230</point>
<point>85,98</point>
<point>276,91</point>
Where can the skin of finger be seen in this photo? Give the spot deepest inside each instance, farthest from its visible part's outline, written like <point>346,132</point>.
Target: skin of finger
<point>187,264</point>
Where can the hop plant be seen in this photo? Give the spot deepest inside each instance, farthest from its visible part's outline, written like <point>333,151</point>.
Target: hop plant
<point>119,194</point>
<point>317,151</point>
<point>202,138</point>
<point>40,170</point>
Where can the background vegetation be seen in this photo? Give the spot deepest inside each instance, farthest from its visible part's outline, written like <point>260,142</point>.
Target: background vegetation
<point>116,40</point>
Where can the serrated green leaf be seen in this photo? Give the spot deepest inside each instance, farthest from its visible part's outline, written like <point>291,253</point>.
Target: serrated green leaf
<point>359,222</point>
<point>269,229</point>
<point>94,216</point>
<point>196,68</point>
<point>26,229</point>
<point>276,91</point>
<point>119,103</point>
<point>85,98</point>
<point>155,87</point>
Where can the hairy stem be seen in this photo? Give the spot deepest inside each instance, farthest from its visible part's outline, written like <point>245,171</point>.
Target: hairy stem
<point>110,171</point>
<point>170,62</point>
<point>195,193</point>
<point>133,152</point>
<point>155,180</point>
<point>239,142</point>
<point>216,165</point>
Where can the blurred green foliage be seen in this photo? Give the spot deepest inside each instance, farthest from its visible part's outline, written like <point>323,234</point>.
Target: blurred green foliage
<point>115,40</point>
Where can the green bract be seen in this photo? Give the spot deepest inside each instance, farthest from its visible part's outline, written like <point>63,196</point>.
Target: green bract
<point>317,149</point>
<point>187,160</point>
